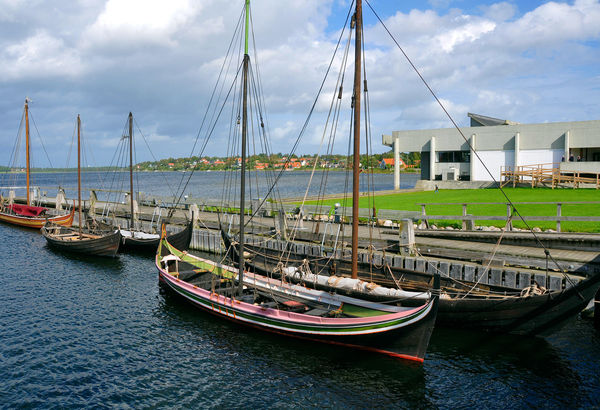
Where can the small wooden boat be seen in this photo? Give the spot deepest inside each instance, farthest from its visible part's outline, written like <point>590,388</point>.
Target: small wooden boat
<point>32,216</point>
<point>146,242</point>
<point>136,239</point>
<point>90,240</point>
<point>27,215</point>
<point>296,311</point>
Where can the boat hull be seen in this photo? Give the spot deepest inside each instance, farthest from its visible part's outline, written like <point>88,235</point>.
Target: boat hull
<point>531,315</point>
<point>180,240</point>
<point>36,222</point>
<point>403,334</point>
<point>106,245</point>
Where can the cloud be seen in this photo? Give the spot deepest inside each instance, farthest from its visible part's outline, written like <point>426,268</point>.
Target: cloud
<point>40,55</point>
<point>129,23</point>
<point>161,59</point>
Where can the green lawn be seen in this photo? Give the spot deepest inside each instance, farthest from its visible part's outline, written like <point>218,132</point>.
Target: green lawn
<point>410,201</point>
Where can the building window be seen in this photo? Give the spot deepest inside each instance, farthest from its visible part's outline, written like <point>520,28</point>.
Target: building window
<point>453,156</point>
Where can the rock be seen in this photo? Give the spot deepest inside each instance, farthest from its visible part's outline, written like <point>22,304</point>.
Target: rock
<point>387,223</point>
<point>449,228</point>
<point>536,229</point>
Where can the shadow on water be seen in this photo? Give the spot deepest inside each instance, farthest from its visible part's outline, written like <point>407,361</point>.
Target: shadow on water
<point>502,363</point>
<point>101,262</point>
<point>344,374</point>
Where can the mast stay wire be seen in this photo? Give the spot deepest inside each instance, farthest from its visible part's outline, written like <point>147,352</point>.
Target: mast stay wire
<point>514,208</point>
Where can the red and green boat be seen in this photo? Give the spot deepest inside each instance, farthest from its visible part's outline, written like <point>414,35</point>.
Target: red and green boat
<point>291,310</point>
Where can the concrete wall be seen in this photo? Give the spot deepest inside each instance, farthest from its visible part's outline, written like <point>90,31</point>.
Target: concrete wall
<point>582,167</point>
<point>493,160</point>
<point>539,156</point>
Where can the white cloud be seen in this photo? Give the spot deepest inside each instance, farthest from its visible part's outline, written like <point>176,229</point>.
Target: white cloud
<point>40,55</point>
<point>130,22</point>
<point>499,11</point>
<point>467,33</point>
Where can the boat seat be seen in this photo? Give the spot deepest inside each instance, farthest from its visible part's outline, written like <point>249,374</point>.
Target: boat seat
<point>317,312</point>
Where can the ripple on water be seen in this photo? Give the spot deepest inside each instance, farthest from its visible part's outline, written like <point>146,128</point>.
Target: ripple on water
<point>80,332</point>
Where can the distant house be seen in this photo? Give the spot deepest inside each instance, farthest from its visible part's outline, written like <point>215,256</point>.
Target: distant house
<point>171,164</point>
<point>389,163</point>
<point>218,162</point>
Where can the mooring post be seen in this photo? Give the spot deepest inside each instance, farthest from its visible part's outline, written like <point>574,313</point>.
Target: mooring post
<point>558,213</point>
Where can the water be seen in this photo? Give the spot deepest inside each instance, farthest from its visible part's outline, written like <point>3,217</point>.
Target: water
<point>84,332</point>
<point>202,184</point>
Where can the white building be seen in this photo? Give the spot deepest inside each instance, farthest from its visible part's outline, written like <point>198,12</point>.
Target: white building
<point>446,155</point>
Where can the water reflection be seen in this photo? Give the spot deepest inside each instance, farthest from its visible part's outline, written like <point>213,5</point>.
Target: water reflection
<point>343,374</point>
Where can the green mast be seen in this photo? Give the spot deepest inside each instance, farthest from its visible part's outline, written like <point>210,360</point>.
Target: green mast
<point>243,156</point>
<point>247,25</point>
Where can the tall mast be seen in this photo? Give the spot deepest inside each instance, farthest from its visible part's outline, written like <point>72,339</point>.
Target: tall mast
<point>356,162</point>
<point>131,170</point>
<point>79,171</point>
<point>27,145</point>
<point>244,136</point>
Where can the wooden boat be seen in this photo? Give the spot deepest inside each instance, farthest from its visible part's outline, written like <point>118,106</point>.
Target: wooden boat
<point>491,308</point>
<point>89,241</point>
<point>27,215</point>
<point>531,312</point>
<point>261,302</point>
<point>270,305</point>
<point>136,239</point>
<point>144,242</point>
<point>86,239</point>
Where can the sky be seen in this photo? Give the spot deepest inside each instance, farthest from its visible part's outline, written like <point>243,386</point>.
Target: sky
<point>529,62</point>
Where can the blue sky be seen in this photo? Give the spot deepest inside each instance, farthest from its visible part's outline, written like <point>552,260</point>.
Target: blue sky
<point>524,61</point>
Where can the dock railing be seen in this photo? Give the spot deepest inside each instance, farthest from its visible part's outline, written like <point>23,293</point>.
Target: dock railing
<point>468,220</point>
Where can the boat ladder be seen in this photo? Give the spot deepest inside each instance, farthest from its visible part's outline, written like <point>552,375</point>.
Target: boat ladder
<point>329,225</point>
<point>158,214</point>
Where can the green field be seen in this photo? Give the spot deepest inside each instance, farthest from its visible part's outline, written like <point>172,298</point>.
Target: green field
<point>454,199</point>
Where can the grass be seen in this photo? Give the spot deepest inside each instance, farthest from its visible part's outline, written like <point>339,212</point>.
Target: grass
<point>410,201</point>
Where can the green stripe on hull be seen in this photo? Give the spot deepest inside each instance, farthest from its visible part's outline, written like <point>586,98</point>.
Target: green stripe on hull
<point>333,329</point>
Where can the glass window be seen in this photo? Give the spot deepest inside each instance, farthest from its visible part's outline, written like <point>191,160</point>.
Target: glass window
<point>453,156</point>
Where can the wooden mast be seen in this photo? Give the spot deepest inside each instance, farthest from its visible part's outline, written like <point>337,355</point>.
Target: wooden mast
<point>131,171</point>
<point>27,146</point>
<point>243,156</point>
<point>79,171</point>
<point>356,162</point>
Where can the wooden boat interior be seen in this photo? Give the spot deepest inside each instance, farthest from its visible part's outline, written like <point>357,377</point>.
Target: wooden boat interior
<point>207,280</point>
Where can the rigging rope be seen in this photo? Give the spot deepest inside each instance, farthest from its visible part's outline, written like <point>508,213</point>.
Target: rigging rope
<point>538,241</point>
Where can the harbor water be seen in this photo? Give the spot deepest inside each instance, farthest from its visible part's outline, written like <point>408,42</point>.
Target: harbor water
<point>78,331</point>
<point>87,332</point>
<point>201,185</point>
